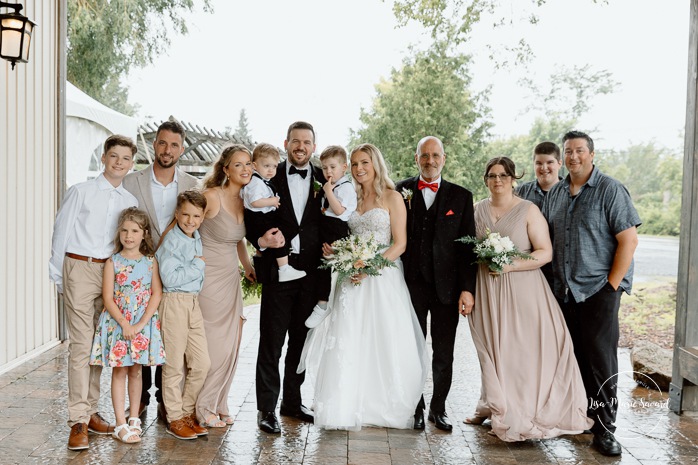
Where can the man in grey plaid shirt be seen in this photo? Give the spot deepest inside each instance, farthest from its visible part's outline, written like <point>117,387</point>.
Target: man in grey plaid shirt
<point>593,226</point>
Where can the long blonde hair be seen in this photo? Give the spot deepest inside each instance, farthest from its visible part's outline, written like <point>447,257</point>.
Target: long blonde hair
<point>381,181</point>
<point>217,178</point>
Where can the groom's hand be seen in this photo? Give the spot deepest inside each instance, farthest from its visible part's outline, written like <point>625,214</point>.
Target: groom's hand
<point>272,239</point>
<point>465,303</point>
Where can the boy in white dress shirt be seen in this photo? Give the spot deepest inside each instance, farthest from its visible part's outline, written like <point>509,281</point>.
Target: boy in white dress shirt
<point>338,203</point>
<point>83,239</point>
<point>260,197</point>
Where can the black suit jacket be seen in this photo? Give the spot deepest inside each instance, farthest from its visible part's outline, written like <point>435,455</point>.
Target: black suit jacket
<point>309,227</point>
<point>454,262</point>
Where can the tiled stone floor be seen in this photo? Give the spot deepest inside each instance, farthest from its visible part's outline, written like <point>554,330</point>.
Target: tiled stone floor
<point>33,428</point>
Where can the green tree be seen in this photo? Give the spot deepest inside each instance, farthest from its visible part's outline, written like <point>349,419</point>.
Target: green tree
<point>108,37</point>
<point>428,95</point>
<point>242,132</point>
<point>453,21</point>
<point>652,175</point>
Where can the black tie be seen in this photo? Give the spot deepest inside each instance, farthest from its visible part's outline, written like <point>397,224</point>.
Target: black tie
<point>301,173</point>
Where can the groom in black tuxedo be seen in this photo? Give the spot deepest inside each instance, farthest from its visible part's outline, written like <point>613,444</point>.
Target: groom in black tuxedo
<point>286,305</point>
<point>439,271</point>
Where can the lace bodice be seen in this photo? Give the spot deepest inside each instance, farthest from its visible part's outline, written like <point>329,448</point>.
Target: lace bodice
<point>374,222</point>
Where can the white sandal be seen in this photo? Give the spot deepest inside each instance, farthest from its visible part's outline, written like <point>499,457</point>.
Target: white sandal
<point>131,437</point>
<point>134,424</point>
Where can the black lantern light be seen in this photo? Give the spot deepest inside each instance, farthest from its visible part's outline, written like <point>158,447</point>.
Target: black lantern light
<point>15,34</point>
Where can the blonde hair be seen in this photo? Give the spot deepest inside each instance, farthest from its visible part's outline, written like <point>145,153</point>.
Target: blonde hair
<point>217,177</point>
<point>141,219</point>
<point>264,150</point>
<point>381,181</point>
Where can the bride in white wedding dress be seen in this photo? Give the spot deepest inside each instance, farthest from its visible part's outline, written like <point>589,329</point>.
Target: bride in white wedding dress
<point>368,357</point>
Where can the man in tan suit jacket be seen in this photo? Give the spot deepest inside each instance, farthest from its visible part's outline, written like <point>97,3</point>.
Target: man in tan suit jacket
<point>156,189</point>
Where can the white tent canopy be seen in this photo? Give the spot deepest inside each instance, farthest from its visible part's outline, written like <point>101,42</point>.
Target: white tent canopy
<point>88,124</point>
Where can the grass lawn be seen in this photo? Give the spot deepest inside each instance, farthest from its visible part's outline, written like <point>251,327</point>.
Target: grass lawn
<point>649,314</point>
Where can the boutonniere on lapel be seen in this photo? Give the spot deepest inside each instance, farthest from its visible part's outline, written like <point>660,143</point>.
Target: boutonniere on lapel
<point>317,187</point>
<point>407,195</point>
<point>449,213</point>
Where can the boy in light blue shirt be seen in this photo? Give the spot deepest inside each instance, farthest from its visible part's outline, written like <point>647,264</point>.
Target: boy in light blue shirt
<point>182,273</point>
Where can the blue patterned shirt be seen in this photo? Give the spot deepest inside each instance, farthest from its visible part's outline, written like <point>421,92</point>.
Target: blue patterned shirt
<point>531,191</point>
<point>583,229</point>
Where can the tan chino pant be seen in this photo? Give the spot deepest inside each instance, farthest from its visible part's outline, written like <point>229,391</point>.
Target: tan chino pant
<point>184,339</point>
<point>82,291</point>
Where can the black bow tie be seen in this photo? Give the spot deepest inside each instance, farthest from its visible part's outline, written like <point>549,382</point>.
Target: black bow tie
<point>301,173</point>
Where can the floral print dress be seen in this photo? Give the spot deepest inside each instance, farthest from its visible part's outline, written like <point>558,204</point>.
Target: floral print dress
<point>131,295</point>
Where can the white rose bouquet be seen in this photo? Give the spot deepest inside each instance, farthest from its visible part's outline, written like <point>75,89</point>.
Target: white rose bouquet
<point>495,250</point>
<point>354,255</point>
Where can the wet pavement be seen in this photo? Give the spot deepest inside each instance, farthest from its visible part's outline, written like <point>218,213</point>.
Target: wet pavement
<point>33,428</point>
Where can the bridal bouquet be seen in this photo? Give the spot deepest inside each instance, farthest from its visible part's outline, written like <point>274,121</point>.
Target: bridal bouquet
<point>354,255</point>
<point>495,250</point>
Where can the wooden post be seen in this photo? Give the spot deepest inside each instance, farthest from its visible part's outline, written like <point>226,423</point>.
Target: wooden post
<point>683,394</point>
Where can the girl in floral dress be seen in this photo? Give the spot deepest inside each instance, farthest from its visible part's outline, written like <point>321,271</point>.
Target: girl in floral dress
<point>128,332</point>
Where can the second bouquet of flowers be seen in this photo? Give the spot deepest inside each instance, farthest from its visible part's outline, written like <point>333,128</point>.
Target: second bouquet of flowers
<point>354,255</point>
<point>495,250</point>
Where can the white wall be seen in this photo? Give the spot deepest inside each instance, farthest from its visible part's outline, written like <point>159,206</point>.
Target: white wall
<point>29,107</point>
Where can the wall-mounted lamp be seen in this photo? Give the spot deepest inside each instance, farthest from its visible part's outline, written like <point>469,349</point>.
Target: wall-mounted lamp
<point>15,34</point>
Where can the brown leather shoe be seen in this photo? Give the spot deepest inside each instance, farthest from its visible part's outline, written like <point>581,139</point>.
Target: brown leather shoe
<point>99,425</point>
<point>180,429</point>
<point>194,424</point>
<point>78,437</point>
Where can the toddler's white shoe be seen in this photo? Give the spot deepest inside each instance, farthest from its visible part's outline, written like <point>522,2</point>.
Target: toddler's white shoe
<point>289,274</point>
<point>316,317</point>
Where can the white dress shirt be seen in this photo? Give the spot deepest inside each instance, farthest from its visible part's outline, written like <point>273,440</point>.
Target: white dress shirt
<point>164,200</point>
<point>255,190</point>
<point>428,194</point>
<point>300,190</point>
<point>346,194</point>
<point>86,223</point>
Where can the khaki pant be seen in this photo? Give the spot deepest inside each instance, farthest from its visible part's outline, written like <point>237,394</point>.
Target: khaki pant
<point>184,338</point>
<point>82,291</point>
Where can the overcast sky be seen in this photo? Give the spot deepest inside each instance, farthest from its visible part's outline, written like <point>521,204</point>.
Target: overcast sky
<point>318,60</point>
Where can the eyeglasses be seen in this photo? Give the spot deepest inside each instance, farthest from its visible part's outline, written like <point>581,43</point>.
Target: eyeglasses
<point>497,176</point>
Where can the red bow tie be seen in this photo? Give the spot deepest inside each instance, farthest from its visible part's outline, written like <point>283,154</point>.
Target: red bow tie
<point>434,186</point>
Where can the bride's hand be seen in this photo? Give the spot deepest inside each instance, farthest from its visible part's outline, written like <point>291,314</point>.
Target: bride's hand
<point>327,250</point>
<point>357,278</point>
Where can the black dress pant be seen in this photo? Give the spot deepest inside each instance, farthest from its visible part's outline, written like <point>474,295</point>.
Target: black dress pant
<point>444,322</point>
<point>285,307</point>
<point>593,325</point>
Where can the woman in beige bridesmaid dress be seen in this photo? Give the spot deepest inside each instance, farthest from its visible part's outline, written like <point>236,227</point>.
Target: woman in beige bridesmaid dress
<point>531,384</point>
<point>222,233</point>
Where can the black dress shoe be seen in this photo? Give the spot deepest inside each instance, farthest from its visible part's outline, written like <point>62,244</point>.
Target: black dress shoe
<point>301,412</point>
<point>606,443</point>
<point>440,420</point>
<point>419,420</point>
<point>268,423</point>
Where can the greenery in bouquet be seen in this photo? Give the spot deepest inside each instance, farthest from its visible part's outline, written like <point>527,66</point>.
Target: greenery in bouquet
<point>250,290</point>
<point>355,255</point>
<point>495,250</point>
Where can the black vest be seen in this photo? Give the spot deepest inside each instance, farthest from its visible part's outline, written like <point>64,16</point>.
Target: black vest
<point>423,234</point>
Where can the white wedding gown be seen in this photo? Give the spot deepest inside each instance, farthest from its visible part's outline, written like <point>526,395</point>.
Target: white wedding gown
<point>367,358</point>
